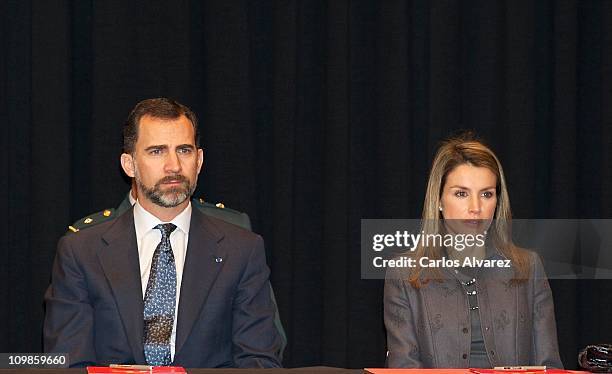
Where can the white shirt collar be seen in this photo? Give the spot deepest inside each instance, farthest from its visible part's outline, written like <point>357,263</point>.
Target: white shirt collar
<point>145,221</point>
<point>131,197</point>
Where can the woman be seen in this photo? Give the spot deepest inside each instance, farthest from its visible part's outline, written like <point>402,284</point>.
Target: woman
<point>470,317</point>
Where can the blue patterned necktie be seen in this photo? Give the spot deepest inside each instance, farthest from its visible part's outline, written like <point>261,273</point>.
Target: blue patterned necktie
<point>159,301</point>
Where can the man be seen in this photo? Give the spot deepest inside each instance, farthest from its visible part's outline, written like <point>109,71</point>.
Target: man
<point>162,283</point>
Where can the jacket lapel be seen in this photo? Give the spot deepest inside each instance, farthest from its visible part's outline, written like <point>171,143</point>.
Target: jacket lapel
<point>118,256</point>
<point>203,262</point>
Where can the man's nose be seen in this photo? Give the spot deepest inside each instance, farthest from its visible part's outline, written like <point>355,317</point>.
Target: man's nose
<point>173,164</point>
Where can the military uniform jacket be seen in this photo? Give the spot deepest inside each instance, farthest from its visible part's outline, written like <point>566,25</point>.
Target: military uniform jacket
<point>94,305</point>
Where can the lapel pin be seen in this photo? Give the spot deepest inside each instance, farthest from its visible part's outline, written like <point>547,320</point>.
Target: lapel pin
<point>218,259</point>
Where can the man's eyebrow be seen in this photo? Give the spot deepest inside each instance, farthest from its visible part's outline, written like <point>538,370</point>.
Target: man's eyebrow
<point>153,147</point>
<point>190,146</point>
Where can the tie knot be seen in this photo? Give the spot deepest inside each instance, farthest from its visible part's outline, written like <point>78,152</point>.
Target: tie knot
<point>166,229</point>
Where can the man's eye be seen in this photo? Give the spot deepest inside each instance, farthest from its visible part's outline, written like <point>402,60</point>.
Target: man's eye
<point>184,150</point>
<point>155,151</point>
<point>461,194</point>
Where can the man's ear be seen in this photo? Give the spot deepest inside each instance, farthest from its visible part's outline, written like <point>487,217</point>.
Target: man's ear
<point>200,159</point>
<point>127,164</point>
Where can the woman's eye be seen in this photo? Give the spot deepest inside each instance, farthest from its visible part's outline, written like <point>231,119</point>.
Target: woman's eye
<point>461,194</point>
<point>487,194</point>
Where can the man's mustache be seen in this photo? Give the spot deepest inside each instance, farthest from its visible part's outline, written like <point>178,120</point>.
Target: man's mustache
<point>173,178</point>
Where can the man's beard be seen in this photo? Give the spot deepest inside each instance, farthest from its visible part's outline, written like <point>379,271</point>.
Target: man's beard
<point>171,197</point>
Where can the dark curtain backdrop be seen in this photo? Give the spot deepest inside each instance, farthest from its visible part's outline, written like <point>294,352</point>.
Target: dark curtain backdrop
<point>314,114</point>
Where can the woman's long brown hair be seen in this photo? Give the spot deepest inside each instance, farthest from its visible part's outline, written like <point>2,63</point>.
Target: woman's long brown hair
<point>466,149</point>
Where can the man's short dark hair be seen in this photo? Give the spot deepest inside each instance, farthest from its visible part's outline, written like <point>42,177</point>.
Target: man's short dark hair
<point>162,108</point>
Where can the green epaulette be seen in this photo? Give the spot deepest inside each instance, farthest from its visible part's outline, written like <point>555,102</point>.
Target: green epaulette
<point>217,210</point>
<point>92,220</point>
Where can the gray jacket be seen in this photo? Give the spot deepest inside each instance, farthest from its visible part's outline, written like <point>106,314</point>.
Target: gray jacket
<point>430,327</point>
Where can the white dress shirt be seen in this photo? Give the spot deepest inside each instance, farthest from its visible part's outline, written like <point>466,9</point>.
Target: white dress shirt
<point>148,238</point>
